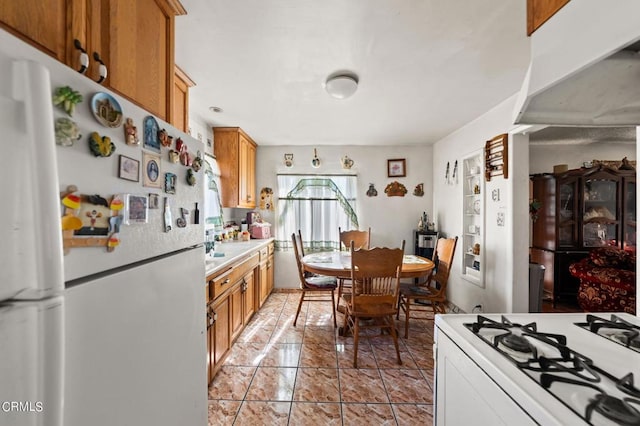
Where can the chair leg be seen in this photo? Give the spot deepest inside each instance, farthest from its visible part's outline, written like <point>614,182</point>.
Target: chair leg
<point>299,307</point>
<point>399,307</point>
<point>356,335</point>
<point>333,305</point>
<point>406,317</point>
<point>394,334</point>
<point>339,291</point>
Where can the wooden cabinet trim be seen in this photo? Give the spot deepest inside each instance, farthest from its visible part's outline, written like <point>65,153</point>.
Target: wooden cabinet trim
<point>540,11</point>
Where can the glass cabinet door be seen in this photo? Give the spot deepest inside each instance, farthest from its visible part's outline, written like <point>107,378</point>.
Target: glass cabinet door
<point>600,221</point>
<point>567,208</point>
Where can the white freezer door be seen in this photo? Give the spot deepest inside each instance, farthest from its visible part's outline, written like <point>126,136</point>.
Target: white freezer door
<point>32,363</point>
<point>31,264</point>
<point>136,346</point>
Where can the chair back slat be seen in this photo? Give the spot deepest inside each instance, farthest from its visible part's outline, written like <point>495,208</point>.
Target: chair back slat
<point>297,244</point>
<point>361,239</point>
<point>445,250</point>
<point>376,277</point>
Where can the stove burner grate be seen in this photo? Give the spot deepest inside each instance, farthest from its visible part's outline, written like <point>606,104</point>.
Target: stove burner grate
<point>518,344</point>
<point>616,329</point>
<point>615,409</point>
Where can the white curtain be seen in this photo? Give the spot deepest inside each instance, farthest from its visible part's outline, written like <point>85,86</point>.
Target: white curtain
<point>212,204</point>
<point>317,205</point>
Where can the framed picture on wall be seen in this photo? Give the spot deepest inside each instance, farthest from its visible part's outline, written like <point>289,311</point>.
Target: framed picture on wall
<point>128,169</point>
<point>151,170</point>
<point>397,168</point>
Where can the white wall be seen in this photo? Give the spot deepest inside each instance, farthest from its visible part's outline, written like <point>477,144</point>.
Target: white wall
<point>505,249</point>
<point>391,218</point>
<point>542,158</point>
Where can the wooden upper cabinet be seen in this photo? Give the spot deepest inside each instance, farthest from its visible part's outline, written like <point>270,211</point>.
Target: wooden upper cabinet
<point>181,85</point>
<point>236,155</point>
<point>140,52</point>
<point>40,23</point>
<point>134,40</point>
<point>539,11</point>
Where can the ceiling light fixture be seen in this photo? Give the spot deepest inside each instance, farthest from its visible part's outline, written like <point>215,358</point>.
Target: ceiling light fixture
<point>215,109</point>
<point>341,86</point>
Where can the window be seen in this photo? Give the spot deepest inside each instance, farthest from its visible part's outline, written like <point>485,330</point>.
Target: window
<point>212,206</point>
<point>317,205</point>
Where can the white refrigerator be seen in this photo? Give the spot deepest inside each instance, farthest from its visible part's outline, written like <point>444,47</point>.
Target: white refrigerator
<point>92,337</point>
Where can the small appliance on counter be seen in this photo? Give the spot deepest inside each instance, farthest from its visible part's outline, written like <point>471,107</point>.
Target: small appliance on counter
<point>260,230</point>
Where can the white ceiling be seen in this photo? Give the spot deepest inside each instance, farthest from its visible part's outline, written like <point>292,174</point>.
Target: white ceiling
<point>425,67</point>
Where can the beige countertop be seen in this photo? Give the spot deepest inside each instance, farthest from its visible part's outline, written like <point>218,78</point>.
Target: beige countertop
<point>233,252</point>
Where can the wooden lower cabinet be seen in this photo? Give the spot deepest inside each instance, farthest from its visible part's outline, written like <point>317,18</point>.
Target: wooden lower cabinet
<point>219,332</point>
<point>233,302</point>
<point>270,275</point>
<point>236,310</point>
<point>248,297</point>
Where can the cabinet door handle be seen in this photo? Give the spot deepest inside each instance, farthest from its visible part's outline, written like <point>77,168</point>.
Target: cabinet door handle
<point>215,316</point>
<point>248,197</point>
<point>83,57</point>
<point>102,69</point>
<point>210,319</point>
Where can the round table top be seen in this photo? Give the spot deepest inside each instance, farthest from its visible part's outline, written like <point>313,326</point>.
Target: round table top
<point>338,264</point>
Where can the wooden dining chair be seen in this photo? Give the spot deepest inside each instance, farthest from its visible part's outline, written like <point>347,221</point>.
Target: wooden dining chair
<point>375,276</point>
<point>361,239</point>
<point>433,294</point>
<point>314,288</point>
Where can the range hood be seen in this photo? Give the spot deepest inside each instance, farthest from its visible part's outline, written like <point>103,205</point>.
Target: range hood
<point>606,93</point>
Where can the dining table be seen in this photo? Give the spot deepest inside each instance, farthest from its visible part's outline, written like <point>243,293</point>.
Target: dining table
<point>338,264</point>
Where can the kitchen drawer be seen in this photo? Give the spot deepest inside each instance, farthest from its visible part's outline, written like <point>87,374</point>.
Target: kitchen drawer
<point>219,283</point>
<point>264,252</point>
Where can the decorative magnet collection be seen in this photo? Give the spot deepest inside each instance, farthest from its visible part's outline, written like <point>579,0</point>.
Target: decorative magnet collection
<point>92,217</point>
<point>93,220</point>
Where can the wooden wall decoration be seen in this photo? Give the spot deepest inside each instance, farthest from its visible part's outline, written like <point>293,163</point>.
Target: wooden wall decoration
<point>496,157</point>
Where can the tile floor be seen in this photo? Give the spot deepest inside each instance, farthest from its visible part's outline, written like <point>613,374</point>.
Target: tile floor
<point>278,374</point>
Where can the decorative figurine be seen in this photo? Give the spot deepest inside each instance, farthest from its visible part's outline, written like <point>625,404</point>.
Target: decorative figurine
<point>101,146</point>
<point>395,189</point>
<point>372,191</point>
<point>191,177</point>
<point>67,132</point>
<point>288,160</point>
<point>196,165</point>
<point>266,199</point>
<point>130,132</point>
<point>174,156</point>
<point>347,163</point>
<point>183,149</point>
<point>164,138</point>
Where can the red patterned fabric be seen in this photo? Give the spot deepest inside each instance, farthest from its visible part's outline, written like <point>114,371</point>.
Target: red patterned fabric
<point>607,281</point>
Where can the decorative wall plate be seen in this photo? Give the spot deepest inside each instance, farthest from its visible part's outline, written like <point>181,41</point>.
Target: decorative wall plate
<point>106,110</point>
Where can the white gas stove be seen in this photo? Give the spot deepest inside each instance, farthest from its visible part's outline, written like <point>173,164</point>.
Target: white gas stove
<point>550,369</point>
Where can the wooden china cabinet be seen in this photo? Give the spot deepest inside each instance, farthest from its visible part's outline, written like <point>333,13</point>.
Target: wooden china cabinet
<point>579,210</point>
